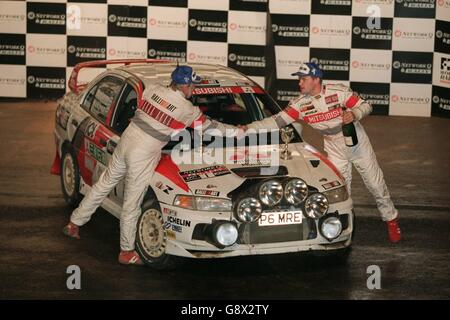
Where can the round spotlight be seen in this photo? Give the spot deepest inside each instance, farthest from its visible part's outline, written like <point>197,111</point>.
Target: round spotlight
<point>225,234</point>
<point>295,191</point>
<point>248,210</point>
<point>271,192</point>
<point>331,228</point>
<point>316,205</point>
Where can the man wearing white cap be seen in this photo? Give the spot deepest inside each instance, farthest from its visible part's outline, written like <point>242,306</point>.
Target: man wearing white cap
<point>163,112</point>
<point>326,108</point>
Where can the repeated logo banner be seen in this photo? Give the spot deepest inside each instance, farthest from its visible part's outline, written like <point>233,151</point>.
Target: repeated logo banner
<point>168,3</point>
<point>288,59</point>
<point>285,91</point>
<point>247,59</point>
<point>377,94</point>
<point>290,6</point>
<point>415,8</point>
<point>12,49</point>
<point>370,37</point>
<point>87,19</point>
<point>167,50</point>
<point>335,63</point>
<point>373,9</point>
<point>167,23</point>
<point>441,70</point>
<point>411,99</point>
<point>440,102</point>
<point>247,27</point>
<point>205,25</point>
<point>413,34</point>
<point>81,49</point>
<point>249,5</point>
<point>330,31</point>
<point>442,36</point>
<point>370,65</point>
<point>331,7</point>
<point>46,19</point>
<point>13,81</point>
<point>46,50</point>
<point>127,21</point>
<point>13,17</point>
<point>412,67</point>
<point>291,30</point>
<point>45,82</point>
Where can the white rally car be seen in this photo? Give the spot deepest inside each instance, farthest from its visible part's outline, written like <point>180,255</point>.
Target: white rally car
<point>241,205</point>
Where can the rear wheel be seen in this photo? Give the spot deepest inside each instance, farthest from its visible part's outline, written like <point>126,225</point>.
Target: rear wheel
<point>151,238</point>
<point>70,178</point>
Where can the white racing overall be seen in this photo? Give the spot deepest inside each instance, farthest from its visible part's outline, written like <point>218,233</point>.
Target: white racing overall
<point>162,113</point>
<point>324,113</point>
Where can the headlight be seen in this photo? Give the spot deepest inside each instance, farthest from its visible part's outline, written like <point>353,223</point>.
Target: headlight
<point>271,192</point>
<point>295,191</point>
<point>336,195</point>
<point>224,233</point>
<point>202,203</point>
<point>331,228</point>
<point>248,210</point>
<point>316,205</point>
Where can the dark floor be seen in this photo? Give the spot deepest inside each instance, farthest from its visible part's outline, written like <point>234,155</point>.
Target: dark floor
<point>413,153</point>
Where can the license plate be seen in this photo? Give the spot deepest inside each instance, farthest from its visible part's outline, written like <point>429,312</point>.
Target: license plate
<point>280,218</point>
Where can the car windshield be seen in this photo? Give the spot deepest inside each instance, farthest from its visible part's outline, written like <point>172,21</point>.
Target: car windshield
<point>235,108</point>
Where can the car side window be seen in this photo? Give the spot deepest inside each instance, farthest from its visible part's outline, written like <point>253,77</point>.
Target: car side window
<point>101,97</point>
<point>125,110</point>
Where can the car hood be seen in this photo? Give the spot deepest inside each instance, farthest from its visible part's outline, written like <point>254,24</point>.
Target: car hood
<point>209,178</point>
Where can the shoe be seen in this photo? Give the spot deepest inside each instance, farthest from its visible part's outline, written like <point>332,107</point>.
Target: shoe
<point>72,230</point>
<point>395,234</point>
<point>130,257</point>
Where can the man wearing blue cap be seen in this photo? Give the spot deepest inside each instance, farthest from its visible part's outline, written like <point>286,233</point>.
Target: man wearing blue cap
<point>163,112</point>
<point>326,108</point>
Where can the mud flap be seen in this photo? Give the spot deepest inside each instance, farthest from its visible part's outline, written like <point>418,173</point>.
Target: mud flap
<point>56,166</point>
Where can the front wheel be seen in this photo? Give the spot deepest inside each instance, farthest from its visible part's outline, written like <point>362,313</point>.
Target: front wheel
<point>151,238</point>
<point>70,178</point>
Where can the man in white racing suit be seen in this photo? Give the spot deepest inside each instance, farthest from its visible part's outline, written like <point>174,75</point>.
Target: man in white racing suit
<point>321,106</point>
<point>163,112</point>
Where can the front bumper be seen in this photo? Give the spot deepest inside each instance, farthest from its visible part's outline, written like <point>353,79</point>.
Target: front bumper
<point>254,240</point>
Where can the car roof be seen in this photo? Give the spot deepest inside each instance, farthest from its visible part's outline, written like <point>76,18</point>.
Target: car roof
<point>152,73</point>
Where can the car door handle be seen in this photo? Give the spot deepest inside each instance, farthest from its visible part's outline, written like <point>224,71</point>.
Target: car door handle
<point>75,122</point>
<point>103,142</point>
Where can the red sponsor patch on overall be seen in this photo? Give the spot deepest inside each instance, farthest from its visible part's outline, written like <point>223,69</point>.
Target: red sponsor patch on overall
<point>324,116</point>
<point>331,99</point>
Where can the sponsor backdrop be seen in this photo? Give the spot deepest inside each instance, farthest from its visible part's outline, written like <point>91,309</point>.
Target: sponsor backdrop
<point>394,53</point>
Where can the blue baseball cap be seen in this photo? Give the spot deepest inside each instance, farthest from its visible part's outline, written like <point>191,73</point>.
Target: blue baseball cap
<point>185,75</point>
<point>308,69</point>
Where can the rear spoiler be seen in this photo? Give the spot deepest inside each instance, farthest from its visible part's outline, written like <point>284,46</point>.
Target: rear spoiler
<point>75,87</point>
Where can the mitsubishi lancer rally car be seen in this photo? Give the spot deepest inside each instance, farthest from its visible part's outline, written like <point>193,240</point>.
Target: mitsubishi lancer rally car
<point>240,205</point>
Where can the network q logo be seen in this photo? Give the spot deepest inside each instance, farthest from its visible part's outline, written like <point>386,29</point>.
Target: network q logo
<point>315,60</point>
<point>112,18</point>
<point>31,79</point>
<point>193,23</point>
<point>232,57</point>
<point>436,99</point>
<point>396,64</point>
<point>71,49</point>
<point>356,30</point>
<point>274,28</point>
<point>439,34</point>
<point>31,15</point>
<point>355,64</point>
<point>394,98</point>
<point>152,52</point>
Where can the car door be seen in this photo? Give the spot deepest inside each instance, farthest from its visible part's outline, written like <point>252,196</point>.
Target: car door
<point>96,140</point>
<point>124,110</point>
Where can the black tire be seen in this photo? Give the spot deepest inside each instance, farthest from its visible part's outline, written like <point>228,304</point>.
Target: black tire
<point>70,177</point>
<point>151,238</point>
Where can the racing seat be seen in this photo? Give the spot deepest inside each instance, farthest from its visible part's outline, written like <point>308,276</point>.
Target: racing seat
<point>126,113</point>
